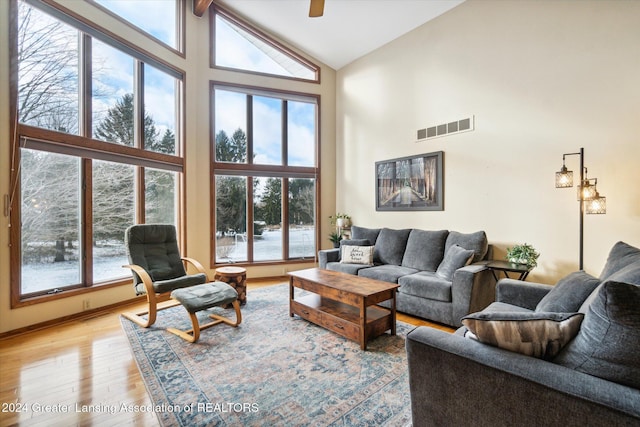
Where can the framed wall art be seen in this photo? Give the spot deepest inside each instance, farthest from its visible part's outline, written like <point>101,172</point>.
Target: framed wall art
<point>412,183</point>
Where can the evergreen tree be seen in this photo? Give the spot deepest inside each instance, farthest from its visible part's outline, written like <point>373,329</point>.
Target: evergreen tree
<point>270,206</point>
<point>117,125</point>
<point>234,149</point>
<point>231,204</point>
<point>301,201</point>
<point>231,192</point>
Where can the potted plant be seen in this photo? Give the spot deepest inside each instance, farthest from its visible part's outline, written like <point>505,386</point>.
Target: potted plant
<point>523,254</point>
<point>340,220</point>
<point>335,237</point>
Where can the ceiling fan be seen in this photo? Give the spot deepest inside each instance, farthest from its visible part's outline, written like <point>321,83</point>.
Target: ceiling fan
<point>316,8</point>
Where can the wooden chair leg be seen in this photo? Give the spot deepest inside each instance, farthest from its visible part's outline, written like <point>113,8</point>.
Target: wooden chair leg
<point>236,306</point>
<point>152,312</point>
<point>192,335</point>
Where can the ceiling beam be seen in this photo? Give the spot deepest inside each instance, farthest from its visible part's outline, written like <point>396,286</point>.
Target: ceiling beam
<point>200,7</point>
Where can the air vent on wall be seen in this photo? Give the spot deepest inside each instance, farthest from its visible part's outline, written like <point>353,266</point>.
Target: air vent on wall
<point>462,125</point>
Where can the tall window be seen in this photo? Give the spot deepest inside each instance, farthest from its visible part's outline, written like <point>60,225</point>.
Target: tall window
<point>94,153</point>
<point>238,46</point>
<point>264,174</point>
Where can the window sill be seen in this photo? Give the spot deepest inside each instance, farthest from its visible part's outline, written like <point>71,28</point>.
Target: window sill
<point>39,299</point>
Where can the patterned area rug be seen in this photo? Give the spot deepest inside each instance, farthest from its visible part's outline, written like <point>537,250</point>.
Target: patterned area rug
<point>271,370</point>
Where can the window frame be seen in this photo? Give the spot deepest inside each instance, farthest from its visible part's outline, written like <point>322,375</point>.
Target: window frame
<point>252,170</point>
<point>87,149</point>
<point>216,9</point>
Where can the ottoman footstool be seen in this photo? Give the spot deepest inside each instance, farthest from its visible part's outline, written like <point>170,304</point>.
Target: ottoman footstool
<point>202,297</point>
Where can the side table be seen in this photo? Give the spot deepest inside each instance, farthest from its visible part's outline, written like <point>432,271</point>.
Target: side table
<point>237,278</point>
<point>508,267</point>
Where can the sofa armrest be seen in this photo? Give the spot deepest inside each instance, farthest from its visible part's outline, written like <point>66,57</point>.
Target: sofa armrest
<point>521,293</point>
<point>473,288</point>
<point>328,255</point>
<point>453,379</point>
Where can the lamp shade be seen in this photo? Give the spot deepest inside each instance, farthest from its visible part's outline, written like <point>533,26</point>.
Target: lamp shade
<point>598,205</point>
<point>564,178</point>
<point>586,191</point>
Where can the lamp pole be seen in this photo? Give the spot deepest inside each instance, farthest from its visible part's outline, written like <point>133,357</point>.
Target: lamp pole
<point>581,208</point>
<point>564,179</point>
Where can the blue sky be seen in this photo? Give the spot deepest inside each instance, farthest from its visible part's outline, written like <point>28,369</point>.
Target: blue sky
<point>267,113</point>
<point>157,17</point>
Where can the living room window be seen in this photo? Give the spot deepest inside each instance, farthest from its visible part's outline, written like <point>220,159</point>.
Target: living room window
<point>264,174</point>
<point>96,148</point>
<point>161,20</point>
<point>237,45</point>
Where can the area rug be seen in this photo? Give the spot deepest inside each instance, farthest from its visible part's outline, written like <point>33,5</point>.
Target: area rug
<point>272,370</point>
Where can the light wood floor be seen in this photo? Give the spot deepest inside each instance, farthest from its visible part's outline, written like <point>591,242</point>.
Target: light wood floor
<point>55,376</point>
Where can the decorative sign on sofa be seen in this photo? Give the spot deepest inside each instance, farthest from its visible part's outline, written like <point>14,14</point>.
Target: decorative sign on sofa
<point>410,183</point>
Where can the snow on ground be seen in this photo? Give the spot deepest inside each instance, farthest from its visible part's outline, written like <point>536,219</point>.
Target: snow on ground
<point>108,262</point>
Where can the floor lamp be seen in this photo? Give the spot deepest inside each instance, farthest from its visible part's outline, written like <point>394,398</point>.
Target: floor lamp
<point>590,200</point>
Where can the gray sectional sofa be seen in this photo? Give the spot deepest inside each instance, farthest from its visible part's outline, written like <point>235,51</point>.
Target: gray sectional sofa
<point>440,273</point>
<point>593,379</point>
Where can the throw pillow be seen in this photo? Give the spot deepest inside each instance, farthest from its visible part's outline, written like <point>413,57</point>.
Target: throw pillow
<point>476,241</point>
<point>371,234</point>
<point>540,335</point>
<point>608,343</point>
<point>620,256</point>
<point>456,257</point>
<point>569,293</point>
<point>390,246</point>
<point>425,249</point>
<point>357,255</point>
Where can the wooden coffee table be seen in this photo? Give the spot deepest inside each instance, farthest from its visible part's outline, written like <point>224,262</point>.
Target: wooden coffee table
<point>344,303</point>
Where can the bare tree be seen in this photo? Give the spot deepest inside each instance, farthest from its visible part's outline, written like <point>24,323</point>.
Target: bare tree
<point>48,71</point>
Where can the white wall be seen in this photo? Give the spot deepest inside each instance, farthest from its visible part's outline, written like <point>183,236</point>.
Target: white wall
<point>542,79</point>
<point>198,76</point>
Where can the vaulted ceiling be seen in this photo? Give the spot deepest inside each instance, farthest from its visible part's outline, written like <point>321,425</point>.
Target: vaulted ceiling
<point>348,29</point>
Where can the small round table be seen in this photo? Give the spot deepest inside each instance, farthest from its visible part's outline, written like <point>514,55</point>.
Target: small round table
<point>237,278</point>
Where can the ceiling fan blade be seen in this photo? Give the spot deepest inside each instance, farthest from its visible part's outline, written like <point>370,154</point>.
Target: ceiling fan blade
<point>316,8</point>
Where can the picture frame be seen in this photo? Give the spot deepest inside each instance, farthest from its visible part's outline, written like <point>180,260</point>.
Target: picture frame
<point>413,183</point>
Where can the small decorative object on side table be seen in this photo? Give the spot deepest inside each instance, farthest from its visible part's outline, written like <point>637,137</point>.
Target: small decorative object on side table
<point>509,267</point>
<point>237,278</point>
<point>521,259</point>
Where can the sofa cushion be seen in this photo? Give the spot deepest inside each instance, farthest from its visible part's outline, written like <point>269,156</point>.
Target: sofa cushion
<point>569,293</point>
<point>390,246</point>
<point>608,343</point>
<point>425,249</point>
<point>185,281</point>
<point>371,234</point>
<point>352,254</point>
<point>456,257</point>
<point>540,335</point>
<point>475,241</point>
<point>620,256</point>
<point>425,284</point>
<point>386,272</point>
<point>345,268</point>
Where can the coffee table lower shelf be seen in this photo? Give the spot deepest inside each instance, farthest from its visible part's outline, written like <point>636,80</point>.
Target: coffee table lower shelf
<point>342,318</point>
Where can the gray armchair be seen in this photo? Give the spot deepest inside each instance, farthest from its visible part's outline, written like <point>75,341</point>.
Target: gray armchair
<point>594,380</point>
